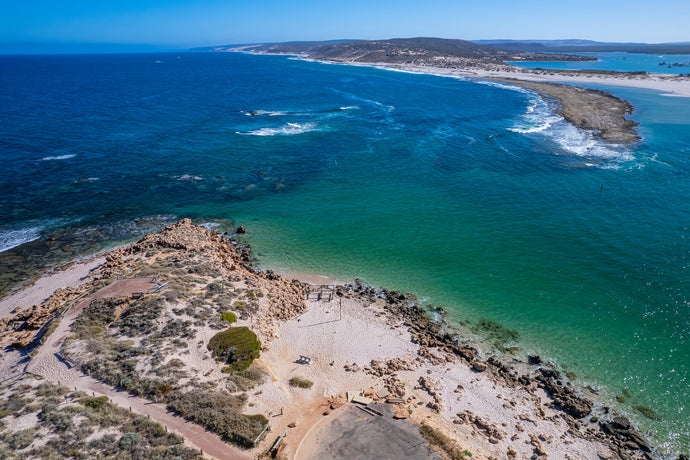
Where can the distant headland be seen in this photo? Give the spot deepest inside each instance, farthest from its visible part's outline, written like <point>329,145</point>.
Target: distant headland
<point>597,111</point>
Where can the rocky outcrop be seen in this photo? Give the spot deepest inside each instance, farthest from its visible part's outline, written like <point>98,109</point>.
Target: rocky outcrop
<point>384,367</point>
<point>185,241</point>
<point>621,430</point>
<point>25,328</point>
<point>563,395</point>
<point>491,431</point>
<point>435,390</point>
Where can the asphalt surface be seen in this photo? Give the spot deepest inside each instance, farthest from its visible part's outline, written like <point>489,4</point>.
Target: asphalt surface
<point>355,435</point>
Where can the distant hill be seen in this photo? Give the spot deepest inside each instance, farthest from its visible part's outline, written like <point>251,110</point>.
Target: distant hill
<point>551,43</point>
<point>419,51</point>
<point>403,50</point>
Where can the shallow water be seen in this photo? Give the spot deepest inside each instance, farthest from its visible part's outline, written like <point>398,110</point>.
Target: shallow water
<point>675,64</point>
<point>473,196</point>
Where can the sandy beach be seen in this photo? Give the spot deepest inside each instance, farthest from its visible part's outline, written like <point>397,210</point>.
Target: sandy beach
<point>472,407</point>
<point>668,85</point>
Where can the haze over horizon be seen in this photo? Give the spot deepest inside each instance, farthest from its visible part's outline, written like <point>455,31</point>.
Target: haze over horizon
<point>176,24</point>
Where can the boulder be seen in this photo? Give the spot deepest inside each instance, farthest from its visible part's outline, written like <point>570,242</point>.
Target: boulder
<point>479,366</point>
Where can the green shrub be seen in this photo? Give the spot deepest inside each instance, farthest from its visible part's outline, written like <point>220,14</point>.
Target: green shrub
<point>300,382</point>
<point>239,305</point>
<point>95,403</point>
<point>229,316</point>
<point>238,346</point>
<point>163,389</point>
<point>129,440</point>
<point>22,439</point>
<point>98,315</point>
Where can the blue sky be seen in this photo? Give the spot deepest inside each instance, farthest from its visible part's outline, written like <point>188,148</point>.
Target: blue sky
<point>181,24</point>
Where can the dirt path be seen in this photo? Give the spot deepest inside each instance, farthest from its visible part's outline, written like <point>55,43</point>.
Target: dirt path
<point>49,364</point>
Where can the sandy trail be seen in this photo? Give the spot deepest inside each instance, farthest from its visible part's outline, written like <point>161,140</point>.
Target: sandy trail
<point>49,364</point>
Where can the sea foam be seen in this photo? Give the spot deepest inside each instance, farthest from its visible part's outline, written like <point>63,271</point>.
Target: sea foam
<point>12,238</point>
<point>540,118</point>
<point>288,129</point>
<point>59,157</point>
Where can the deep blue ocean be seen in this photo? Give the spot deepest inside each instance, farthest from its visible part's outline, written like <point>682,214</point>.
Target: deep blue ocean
<point>473,196</point>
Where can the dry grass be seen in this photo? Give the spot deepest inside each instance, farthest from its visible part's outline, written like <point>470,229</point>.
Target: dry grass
<point>301,382</point>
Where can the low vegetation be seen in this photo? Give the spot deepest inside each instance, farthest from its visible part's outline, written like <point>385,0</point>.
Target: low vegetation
<point>300,382</point>
<point>442,442</point>
<point>218,411</point>
<point>74,425</point>
<point>248,379</point>
<point>152,346</point>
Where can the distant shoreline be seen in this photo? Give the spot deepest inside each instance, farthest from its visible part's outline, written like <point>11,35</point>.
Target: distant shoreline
<point>589,109</point>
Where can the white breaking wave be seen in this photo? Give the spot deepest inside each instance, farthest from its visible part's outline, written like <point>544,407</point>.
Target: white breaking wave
<point>210,225</point>
<point>60,157</point>
<point>539,118</point>
<point>584,144</point>
<point>256,113</point>
<point>287,130</point>
<point>12,238</point>
<point>189,178</point>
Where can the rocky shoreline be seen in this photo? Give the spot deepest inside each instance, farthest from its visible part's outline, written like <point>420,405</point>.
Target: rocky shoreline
<point>592,110</point>
<point>617,432</point>
<point>536,411</point>
<point>587,109</point>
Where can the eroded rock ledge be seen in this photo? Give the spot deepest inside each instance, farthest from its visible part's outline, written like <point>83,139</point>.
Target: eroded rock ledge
<point>588,109</point>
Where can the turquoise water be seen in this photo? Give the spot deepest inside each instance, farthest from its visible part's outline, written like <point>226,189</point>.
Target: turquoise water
<point>473,196</point>
<point>621,62</point>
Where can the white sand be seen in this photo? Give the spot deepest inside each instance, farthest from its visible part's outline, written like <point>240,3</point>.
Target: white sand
<point>667,84</point>
<point>364,334</point>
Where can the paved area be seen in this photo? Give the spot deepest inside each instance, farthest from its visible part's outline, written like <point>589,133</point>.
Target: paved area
<point>355,435</point>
